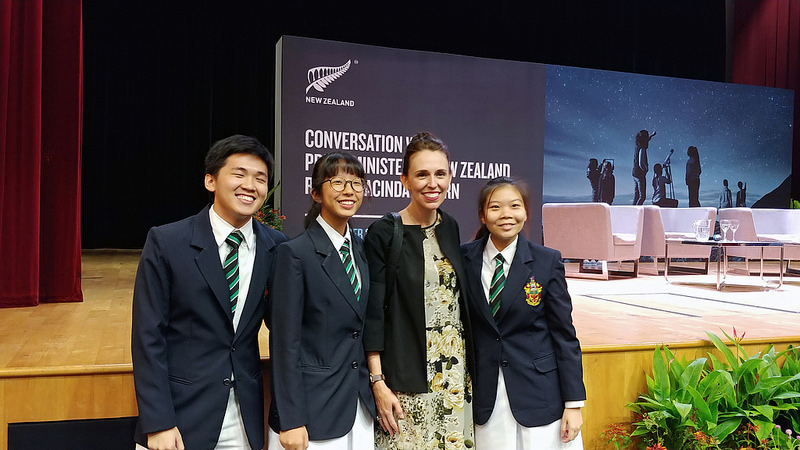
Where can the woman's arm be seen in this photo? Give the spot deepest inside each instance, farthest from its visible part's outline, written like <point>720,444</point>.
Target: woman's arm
<point>389,408</point>
<point>376,250</point>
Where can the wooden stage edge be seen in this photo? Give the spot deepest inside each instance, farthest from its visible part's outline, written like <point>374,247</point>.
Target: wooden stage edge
<point>72,361</point>
<point>614,375</point>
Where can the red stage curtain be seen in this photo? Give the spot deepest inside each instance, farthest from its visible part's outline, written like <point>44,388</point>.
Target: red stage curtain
<point>767,53</point>
<point>40,151</point>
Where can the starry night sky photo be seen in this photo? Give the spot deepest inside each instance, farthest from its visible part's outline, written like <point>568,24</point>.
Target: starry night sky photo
<point>742,133</point>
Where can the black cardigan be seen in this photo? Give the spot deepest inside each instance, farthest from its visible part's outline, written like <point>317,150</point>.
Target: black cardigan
<point>396,327</point>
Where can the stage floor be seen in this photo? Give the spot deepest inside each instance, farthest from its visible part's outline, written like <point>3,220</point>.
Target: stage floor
<point>67,361</point>
<point>647,309</point>
<point>617,312</point>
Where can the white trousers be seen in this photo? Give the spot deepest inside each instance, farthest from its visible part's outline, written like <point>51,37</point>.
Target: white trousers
<point>502,432</point>
<point>360,437</point>
<point>232,436</point>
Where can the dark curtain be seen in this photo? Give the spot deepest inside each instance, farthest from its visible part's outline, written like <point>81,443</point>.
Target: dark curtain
<point>40,151</point>
<point>164,80</point>
<point>766,52</point>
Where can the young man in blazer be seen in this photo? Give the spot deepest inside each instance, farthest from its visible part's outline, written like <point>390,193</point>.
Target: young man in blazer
<point>198,304</point>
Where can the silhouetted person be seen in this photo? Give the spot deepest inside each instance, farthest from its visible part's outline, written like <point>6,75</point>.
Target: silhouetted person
<point>660,183</point>
<point>725,196</point>
<point>693,176</point>
<point>640,166</point>
<point>741,196</point>
<point>593,174</point>
<point>607,183</point>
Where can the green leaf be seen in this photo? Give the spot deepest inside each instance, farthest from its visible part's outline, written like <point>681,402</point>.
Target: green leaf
<point>764,429</point>
<point>729,356</point>
<point>700,405</point>
<point>722,430</point>
<point>683,409</point>
<point>749,367</point>
<point>786,395</point>
<point>765,411</point>
<point>691,376</point>
<point>660,375</point>
<point>651,384</point>
<point>676,368</point>
<point>769,386</point>
<point>717,364</point>
<point>719,386</point>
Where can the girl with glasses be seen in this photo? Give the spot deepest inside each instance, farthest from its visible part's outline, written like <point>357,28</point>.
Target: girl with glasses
<point>318,302</point>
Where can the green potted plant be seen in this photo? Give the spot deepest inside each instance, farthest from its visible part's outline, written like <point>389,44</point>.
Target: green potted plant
<point>739,402</point>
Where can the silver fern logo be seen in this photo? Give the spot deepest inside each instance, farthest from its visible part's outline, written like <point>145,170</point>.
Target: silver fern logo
<point>320,77</point>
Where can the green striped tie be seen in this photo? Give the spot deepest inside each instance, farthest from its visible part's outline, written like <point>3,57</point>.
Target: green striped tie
<point>231,266</point>
<point>347,260</point>
<point>498,281</point>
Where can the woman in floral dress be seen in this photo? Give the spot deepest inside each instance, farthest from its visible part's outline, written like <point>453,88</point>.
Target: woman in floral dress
<point>417,326</point>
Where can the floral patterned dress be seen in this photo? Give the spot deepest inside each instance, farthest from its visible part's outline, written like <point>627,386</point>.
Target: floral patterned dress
<point>442,417</point>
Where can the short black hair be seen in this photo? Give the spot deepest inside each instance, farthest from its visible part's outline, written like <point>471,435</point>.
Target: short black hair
<point>238,143</point>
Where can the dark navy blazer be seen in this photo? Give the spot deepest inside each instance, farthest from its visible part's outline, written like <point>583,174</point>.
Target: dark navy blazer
<point>319,368</point>
<point>535,346</point>
<point>183,345</point>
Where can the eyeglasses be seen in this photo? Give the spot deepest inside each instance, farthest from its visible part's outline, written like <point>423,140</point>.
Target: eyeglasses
<point>338,184</point>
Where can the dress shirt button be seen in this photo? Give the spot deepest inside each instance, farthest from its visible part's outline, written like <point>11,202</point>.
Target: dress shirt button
<point>355,365</point>
<point>504,363</point>
<point>355,334</point>
<point>226,381</point>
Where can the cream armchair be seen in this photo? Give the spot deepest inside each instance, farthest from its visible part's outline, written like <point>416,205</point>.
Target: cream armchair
<point>765,225</point>
<point>661,224</point>
<point>594,231</point>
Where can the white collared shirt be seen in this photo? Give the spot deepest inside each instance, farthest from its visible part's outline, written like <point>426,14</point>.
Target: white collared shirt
<point>247,256</point>
<point>487,268</point>
<point>338,240</point>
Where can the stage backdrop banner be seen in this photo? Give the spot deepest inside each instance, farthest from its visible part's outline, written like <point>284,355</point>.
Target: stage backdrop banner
<point>741,133</point>
<point>370,101</point>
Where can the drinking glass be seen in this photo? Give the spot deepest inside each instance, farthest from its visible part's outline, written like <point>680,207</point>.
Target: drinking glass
<point>724,224</point>
<point>734,225</point>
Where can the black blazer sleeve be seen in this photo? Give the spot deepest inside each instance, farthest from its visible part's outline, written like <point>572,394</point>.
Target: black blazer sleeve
<point>376,248</point>
<point>558,307</point>
<point>148,342</point>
